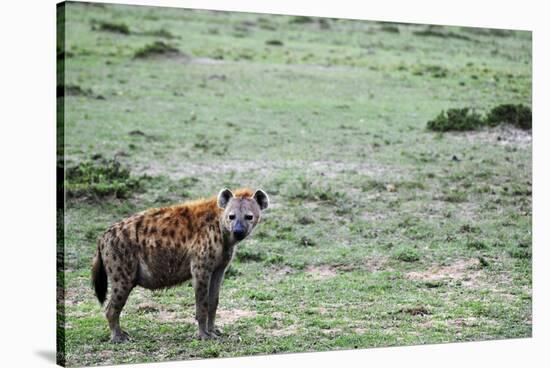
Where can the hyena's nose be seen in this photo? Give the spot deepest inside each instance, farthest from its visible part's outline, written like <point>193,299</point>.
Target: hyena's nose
<point>239,235</point>
<point>239,231</point>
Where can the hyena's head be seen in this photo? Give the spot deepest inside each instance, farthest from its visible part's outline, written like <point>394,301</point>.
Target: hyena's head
<point>241,211</point>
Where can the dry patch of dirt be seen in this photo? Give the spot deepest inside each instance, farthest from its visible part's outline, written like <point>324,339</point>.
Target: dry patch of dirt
<point>107,356</point>
<point>375,264</point>
<point>280,272</point>
<point>172,317</point>
<point>207,61</point>
<point>322,310</point>
<point>464,270</point>
<point>504,134</point>
<point>183,314</point>
<point>227,317</point>
<point>465,322</point>
<point>223,317</point>
<point>278,315</point>
<point>373,216</point>
<point>75,296</point>
<point>285,270</point>
<point>369,264</point>
<point>176,168</point>
<point>332,169</point>
<point>416,311</point>
<point>321,272</point>
<point>426,324</point>
<point>147,307</point>
<point>279,332</point>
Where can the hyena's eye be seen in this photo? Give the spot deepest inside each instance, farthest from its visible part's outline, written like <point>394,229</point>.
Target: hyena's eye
<point>232,216</point>
<point>248,217</point>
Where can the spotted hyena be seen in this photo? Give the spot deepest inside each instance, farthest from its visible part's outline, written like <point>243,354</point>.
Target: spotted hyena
<point>162,247</point>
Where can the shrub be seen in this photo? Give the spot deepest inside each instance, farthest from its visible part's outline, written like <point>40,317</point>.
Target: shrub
<point>301,20</point>
<point>155,49</point>
<point>460,119</point>
<point>518,115</point>
<point>114,27</point>
<point>274,43</point>
<point>390,28</point>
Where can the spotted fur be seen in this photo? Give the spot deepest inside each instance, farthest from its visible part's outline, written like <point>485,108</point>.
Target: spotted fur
<point>163,247</point>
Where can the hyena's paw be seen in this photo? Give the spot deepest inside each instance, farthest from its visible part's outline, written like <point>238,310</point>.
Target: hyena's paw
<point>120,338</point>
<point>204,335</point>
<point>216,332</point>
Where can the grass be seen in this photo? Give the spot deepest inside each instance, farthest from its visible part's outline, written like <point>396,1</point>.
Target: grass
<point>381,233</point>
<point>435,31</point>
<point>157,48</point>
<point>106,178</point>
<point>114,27</point>
<point>161,32</point>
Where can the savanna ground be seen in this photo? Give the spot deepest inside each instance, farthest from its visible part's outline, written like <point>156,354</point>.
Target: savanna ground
<point>380,233</point>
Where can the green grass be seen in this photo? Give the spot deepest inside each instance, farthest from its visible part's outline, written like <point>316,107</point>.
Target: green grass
<point>114,27</point>
<point>100,178</point>
<point>381,233</point>
<point>158,48</point>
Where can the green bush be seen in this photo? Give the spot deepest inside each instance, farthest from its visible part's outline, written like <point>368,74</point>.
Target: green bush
<point>301,20</point>
<point>463,119</point>
<point>114,27</point>
<point>155,49</point>
<point>390,28</point>
<point>460,119</point>
<point>518,115</point>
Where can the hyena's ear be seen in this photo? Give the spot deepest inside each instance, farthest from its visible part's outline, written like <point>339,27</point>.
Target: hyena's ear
<point>261,197</point>
<point>223,197</point>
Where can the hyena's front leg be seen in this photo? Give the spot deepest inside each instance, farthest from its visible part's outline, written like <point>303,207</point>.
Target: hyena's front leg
<point>213,298</point>
<point>201,284</point>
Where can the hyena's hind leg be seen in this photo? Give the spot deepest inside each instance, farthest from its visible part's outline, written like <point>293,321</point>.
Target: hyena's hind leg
<point>121,267</point>
<point>119,296</point>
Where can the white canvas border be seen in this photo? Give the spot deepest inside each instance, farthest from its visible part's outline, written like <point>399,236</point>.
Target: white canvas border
<point>28,180</point>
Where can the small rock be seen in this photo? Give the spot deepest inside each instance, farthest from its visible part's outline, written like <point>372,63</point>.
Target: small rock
<point>391,188</point>
<point>147,307</point>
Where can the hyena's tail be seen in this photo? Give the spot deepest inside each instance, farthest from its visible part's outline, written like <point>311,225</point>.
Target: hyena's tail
<point>99,277</point>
